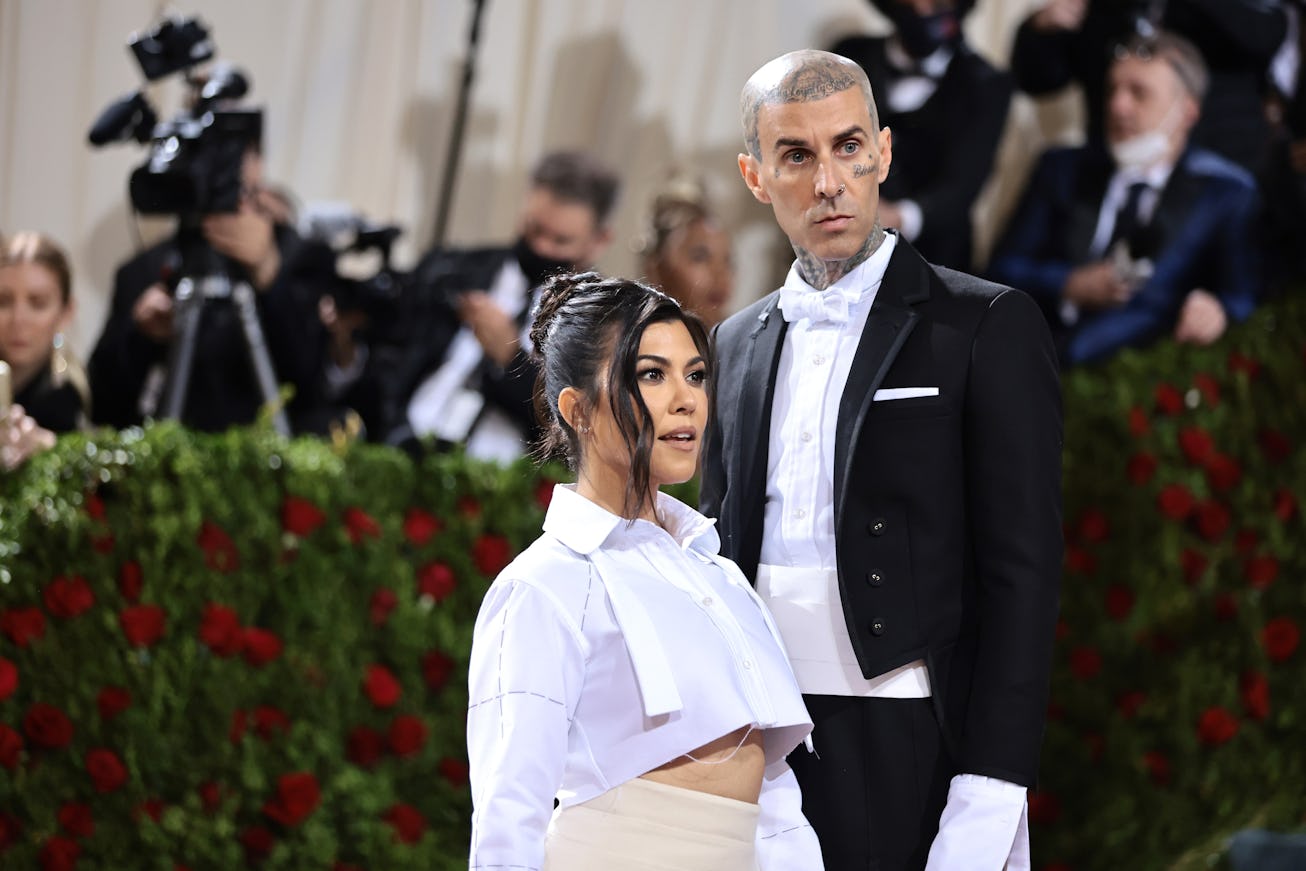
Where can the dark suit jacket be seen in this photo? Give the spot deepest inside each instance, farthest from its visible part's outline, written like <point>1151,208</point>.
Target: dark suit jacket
<point>932,165</point>
<point>439,277</point>
<point>953,501</point>
<point>1202,236</point>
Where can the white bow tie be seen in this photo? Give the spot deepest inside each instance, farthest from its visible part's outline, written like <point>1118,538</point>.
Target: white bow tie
<point>830,305</point>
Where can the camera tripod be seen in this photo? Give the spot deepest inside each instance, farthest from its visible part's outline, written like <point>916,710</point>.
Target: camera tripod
<point>204,278</point>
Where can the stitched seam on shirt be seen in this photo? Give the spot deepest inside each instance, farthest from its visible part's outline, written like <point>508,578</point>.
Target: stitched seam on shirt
<point>589,588</point>
<point>783,832</point>
<point>502,695</point>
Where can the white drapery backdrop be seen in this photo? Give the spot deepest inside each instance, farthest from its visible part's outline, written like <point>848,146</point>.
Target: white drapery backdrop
<point>359,97</point>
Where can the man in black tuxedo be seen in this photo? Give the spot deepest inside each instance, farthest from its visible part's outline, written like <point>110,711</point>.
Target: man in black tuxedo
<point>884,460</point>
<point>467,377</point>
<point>927,77</point>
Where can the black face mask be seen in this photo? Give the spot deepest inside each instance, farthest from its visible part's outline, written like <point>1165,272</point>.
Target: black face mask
<point>535,267</point>
<point>922,35</point>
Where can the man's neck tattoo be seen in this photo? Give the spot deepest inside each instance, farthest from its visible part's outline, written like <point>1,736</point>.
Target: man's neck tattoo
<point>820,274</point>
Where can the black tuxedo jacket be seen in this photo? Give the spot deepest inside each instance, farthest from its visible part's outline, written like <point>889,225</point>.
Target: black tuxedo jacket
<point>947,508</point>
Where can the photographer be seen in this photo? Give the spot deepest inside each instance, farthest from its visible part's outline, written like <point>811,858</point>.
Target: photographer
<point>127,367</point>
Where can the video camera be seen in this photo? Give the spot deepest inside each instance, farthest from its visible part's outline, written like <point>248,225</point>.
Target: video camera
<point>345,238</point>
<point>195,159</point>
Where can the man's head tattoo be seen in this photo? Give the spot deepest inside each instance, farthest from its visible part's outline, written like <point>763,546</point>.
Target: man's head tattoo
<point>800,77</point>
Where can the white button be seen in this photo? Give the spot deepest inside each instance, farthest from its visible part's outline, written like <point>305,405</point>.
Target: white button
<point>748,663</point>
<point>707,602</point>
<point>800,513</point>
<point>807,436</point>
<point>818,359</point>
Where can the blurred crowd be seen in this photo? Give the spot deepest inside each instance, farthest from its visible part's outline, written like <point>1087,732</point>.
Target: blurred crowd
<point>1182,210</point>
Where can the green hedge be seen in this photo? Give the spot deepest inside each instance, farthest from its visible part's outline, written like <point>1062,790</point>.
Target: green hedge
<point>228,650</point>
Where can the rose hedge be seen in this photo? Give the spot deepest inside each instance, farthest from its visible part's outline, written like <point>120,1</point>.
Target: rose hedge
<point>228,651</point>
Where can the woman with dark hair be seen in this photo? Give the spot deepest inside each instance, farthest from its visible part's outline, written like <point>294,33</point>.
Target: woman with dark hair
<point>620,666</point>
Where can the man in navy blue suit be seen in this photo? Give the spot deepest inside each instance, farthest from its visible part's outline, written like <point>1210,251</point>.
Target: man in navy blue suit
<point>1153,237</point>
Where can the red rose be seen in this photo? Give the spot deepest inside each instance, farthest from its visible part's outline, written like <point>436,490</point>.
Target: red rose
<point>454,770</point>
<point>151,807</point>
<point>1080,561</point>
<point>94,505</point>
<point>106,769</point>
<point>381,686</point>
<point>1209,387</point>
<point>298,795</point>
<point>1261,571</point>
<point>239,720</point>
<point>68,597</point>
<point>544,493</point>
<point>1245,541</point>
<point>142,624</point>
<point>1093,526</point>
<point>220,630</point>
<point>1175,501</point>
<point>103,544</point>
<point>112,701</point>
<point>59,854</point>
<point>1158,767</point>
<point>491,553</point>
<point>11,831</point>
<point>11,746</point>
<point>1119,602</point>
<point>261,646</point>
<point>1139,425</point>
<point>269,720</point>
<point>1168,400</point>
<point>8,678</point>
<point>1280,638</point>
<point>436,580</point>
<point>383,602</point>
<point>76,819</point>
<point>220,552</point>
<point>130,580</point>
<point>421,526</point>
<point>1044,808</point>
<point>1212,520</point>
<point>1142,466</point>
<point>364,746</point>
<point>407,822</point>
<point>211,795</point>
<point>1285,505</point>
<point>407,735</point>
<point>1239,362</point>
<point>1193,564</point>
<point>1223,473</point>
<point>1085,662</point>
<point>1275,445</point>
<point>360,525</point>
<point>1196,444</point>
<point>1226,607</point>
<point>1216,726</point>
<point>258,843</point>
<point>1129,703</point>
<point>47,726</point>
<point>436,668</point>
<point>300,517</point>
<point>469,508</point>
<point>23,625</point>
<point>1254,690</point>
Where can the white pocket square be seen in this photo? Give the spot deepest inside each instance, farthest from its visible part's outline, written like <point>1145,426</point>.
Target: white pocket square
<point>904,393</point>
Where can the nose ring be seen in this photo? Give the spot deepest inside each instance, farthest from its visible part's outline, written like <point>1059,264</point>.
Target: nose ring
<point>841,189</point>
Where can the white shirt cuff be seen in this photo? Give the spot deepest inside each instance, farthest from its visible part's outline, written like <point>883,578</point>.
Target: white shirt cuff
<point>912,219</point>
<point>984,827</point>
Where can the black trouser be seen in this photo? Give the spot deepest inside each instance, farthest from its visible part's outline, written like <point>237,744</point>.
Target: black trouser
<point>877,784</point>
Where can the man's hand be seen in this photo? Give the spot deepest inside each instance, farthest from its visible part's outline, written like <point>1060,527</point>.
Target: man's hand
<point>20,437</point>
<point>1202,319</point>
<point>1096,286</point>
<point>341,327</point>
<point>152,313</point>
<point>1061,15</point>
<point>246,237</point>
<point>491,325</point>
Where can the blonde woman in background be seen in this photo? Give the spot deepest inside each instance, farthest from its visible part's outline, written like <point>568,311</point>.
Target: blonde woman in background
<point>687,253</point>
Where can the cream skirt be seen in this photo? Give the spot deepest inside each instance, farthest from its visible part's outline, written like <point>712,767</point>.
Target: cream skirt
<point>646,826</point>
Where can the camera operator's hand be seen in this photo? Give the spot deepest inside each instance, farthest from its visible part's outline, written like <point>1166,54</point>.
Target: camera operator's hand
<point>1096,286</point>
<point>341,327</point>
<point>491,325</point>
<point>1061,15</point>
<point>1202,319</point>
<point>152,313</point>
<point>246,237</point>
<point>20,437</point>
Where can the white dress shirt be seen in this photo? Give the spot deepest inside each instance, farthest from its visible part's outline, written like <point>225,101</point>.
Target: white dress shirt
<point>984,824</point>
<point>607,649</point>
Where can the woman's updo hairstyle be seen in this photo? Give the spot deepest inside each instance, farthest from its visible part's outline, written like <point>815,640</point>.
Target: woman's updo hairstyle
<point>586,331</point>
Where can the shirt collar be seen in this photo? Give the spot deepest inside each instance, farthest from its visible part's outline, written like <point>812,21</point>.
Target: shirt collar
<point>583,525</point>
<point>933,65</point>
<point>1154,177</point>
<point>864,278</point>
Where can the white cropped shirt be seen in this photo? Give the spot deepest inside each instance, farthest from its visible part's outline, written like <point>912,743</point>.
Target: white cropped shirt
<point>607,649</point>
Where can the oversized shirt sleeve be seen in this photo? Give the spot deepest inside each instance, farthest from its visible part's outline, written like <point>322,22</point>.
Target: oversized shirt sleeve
<point>524,681</point>
<point>785,840</point>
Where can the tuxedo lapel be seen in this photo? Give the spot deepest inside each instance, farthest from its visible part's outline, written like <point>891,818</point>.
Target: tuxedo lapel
<point>1089,189</point>
<point>1178,201</point>
<point>753,423</point>
<point>889,323</point>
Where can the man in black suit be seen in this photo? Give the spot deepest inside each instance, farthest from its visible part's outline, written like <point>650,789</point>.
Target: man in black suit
<point>927,77</point>
<point>884,460</point>
<point>467,377</point>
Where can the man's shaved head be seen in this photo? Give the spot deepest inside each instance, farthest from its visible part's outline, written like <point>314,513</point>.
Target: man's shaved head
<point>799,77</point>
